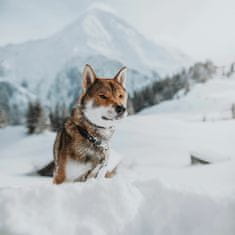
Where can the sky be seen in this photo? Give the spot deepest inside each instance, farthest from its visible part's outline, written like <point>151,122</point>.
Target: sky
<point>203,29</point>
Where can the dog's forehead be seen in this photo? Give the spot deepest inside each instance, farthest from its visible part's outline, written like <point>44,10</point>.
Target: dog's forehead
<point>108,85</point>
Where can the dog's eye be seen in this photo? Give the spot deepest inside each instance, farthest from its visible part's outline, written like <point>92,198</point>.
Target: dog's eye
<point>120,96</point>
<point>103,97</point>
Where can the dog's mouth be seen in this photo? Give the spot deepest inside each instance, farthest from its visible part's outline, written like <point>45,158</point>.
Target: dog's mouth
<point>118,117</point>
<point>107,119</point>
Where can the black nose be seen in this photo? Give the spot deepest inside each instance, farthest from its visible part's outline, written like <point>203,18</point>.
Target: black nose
<point>120,109</point>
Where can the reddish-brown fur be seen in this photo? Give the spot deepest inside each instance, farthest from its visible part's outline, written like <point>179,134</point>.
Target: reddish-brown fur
<point>110,88</point>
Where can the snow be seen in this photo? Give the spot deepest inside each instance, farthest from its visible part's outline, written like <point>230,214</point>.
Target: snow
<point>155,191</point>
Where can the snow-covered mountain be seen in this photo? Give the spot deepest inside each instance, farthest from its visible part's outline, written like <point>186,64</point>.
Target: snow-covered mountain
<point>98,37</point>
<point>95,32</point>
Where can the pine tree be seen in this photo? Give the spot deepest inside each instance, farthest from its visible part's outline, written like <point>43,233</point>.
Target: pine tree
<point>36,119</point>
<point>3,118</point>
<point>58,116</point>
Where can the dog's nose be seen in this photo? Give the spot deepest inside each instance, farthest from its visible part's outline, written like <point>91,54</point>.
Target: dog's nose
<point>120,109</point>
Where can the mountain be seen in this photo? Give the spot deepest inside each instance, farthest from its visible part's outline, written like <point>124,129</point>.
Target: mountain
<point>98,37</point>
<point>95,32</point>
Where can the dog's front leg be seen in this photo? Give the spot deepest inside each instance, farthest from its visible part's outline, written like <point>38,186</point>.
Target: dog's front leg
<point>92,173</point>
<point>100,170</point>
<point>59,171</point>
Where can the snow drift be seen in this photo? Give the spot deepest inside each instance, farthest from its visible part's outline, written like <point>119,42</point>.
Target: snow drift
<point>113,207</point>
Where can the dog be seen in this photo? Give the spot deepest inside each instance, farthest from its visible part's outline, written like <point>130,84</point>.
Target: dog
<point>81,149</point>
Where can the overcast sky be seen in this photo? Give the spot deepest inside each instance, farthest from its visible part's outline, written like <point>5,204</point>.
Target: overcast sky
<point>200,28</point>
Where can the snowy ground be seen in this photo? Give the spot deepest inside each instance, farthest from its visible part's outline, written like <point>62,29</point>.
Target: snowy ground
<point>156,190</point>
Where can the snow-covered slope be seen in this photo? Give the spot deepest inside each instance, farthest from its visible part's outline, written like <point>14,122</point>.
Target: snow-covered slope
<point>208,101</point>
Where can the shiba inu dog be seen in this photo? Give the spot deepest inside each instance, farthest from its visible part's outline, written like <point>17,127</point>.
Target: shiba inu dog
<point>81,148</point>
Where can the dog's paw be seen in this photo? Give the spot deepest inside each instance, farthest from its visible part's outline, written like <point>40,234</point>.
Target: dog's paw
<point>58,180</point>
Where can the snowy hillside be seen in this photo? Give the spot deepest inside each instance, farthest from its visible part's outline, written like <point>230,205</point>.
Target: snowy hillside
<point>156,190</point>
<point>208,101</point>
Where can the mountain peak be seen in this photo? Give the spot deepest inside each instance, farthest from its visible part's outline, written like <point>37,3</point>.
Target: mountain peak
<point>95,7</point>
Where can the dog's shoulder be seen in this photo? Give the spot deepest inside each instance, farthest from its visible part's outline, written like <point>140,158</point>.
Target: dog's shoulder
<point>64,134</point>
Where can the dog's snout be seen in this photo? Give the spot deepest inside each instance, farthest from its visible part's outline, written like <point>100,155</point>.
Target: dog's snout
<point>120,109</point>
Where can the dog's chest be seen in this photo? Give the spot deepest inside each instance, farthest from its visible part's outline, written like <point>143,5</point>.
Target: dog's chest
<point>99,140</point>
<point>75,169</point>
<point>84,150</point>
<point>107,133</point>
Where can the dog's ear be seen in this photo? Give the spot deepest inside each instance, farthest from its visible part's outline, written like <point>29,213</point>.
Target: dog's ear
<point>121,76</point>
<point>88,77</point>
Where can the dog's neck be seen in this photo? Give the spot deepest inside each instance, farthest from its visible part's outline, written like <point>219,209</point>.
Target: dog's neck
<point>79,119</point>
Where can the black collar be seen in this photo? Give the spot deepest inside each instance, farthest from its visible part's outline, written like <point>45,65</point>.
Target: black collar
<point>84,133</point>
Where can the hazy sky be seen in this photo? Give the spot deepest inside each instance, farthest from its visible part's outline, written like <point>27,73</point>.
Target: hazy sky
<point>200,28</point>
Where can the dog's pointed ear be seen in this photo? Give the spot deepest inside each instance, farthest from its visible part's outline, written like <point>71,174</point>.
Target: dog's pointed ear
<point>88,77</point>
<point>121,76</point>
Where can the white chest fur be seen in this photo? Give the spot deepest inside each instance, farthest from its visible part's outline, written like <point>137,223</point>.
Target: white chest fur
<point>75,169</point>
<point>107,132</point>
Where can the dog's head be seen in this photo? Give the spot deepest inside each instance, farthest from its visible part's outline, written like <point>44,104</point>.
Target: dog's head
<point>104,100</point>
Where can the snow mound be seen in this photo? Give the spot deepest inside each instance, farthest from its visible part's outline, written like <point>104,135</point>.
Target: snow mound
<point>103,207</point>
<point>113,207</point>
<point>172,211</point>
